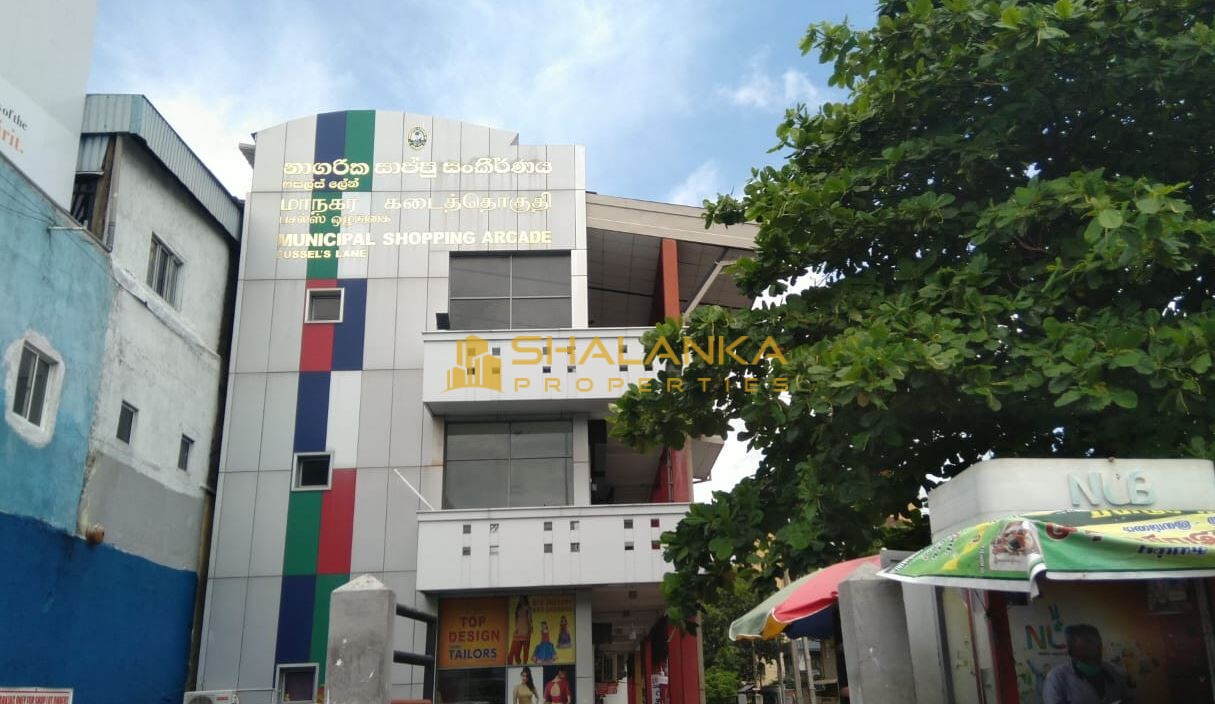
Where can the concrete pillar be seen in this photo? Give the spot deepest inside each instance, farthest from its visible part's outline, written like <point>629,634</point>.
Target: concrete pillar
<point>584,649</point>
<point>928,656</point>
<point>362,614</point>
<point>876,646</point>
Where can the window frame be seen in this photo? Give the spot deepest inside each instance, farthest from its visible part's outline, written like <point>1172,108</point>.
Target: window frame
<point>278,681</point>
<point>308,296</point>
<point>295,471</point>
<point>510,460</point>
<point>158,251</point>
<point>36,435</point>
<point>130,439</point>
<point>38,356</point>
<point>511,297</point>
<point>187,444</point>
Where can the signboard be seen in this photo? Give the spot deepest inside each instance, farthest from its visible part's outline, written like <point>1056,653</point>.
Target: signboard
<point>472,632</point>
<point>35,695</point>
<point>542,630</point>
<point>44,64</point>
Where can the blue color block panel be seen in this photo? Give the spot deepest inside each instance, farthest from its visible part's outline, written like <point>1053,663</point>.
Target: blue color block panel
<point>295,619</point>
<point>348,334</point>
<point>330,136</point>
<point>312,412</point>
<point>111,626</point>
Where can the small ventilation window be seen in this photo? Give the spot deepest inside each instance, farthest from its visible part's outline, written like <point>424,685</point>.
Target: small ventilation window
<point>312,472</point>
<point>324,305</point>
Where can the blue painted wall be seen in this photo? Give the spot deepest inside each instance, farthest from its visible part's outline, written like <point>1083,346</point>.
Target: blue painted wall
<point>58,284</point>
<point>113,626</point>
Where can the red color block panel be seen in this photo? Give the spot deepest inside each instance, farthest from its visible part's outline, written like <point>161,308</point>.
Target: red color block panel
<point>321,283</point>
<point>316,347</point>
<point>337,524</point>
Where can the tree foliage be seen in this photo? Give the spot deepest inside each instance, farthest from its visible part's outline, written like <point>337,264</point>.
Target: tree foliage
<point>1011,221</point>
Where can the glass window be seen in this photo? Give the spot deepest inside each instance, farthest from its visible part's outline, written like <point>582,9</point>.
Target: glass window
<point>183,452</point>
<point>492,465</point>
<point>126,422</point>
<point>475,483</point>
<point>533,313</point>
<point>324,305</point>
<point>33,375</point>
<point>297,683</point>
<point>312,471</point>
<point>164,270</point>
<point>543,275</point>
<point>481,314</point>
<point>540,482</point>
<point>479,686</point>
<point>480,277</point>
<point>509,291</point>
<point>478,441</point>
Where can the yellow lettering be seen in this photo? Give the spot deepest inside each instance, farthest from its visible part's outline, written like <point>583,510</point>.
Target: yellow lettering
<point>780,384</point>
<point>676,384</point>
<point>620,351</point>
<point>662,349</point>
<point>522,383</point>
<point>589,384</point>
<point>690,347</point>
<point>518,345</point>
<point>704,382</point>
<point>750,384</point>
<point>615,384</point>
<point>729,351</point>
<point>597,344</point>
<point>645,386</point>
<point>552,383</point>
<point>770,350</point>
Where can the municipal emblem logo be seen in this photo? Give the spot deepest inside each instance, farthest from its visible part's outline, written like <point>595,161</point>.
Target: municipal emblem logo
<point>416,138</point>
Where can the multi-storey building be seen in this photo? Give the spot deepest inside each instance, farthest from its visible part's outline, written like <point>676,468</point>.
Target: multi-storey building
<point>114,337</point>
<point>432,322</point>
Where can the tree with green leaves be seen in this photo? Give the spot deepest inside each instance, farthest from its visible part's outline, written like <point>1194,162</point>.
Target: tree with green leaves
<point>1010,222</point>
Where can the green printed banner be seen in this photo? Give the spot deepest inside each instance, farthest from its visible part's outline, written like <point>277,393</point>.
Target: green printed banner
<point>1009,553</point>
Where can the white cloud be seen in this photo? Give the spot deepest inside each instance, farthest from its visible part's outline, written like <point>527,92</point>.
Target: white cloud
<point>602,72</point>
<point>702,183</point>
<point>759,89</point>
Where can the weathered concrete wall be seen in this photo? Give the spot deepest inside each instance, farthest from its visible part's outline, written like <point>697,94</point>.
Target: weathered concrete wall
<point>55,286</point>
<point>876,646</point>
<point>164,360</point>
<point>165,526</point>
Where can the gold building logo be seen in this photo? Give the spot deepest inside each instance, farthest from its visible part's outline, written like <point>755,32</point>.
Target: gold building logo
<point>475,366</point>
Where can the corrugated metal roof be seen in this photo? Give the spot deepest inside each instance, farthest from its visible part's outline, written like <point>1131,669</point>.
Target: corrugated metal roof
<point>91,156</point>
<point>135,115</point>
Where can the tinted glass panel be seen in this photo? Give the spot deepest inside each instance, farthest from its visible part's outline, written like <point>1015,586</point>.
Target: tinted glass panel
<point>25,374</point>
<point>475,484</point>
<point>42,372</point>
<point>542,275</point>
<point>183,453</point>
<point>531,313</point>
<point>325,305</point>
<point>487,686</point>
<point>480,277</point>
<point>478,441</point>
<point>126,423</point>
<point>540,439</point>
<point>314,471</point>
<point>479,315</point>
<point>539,482</point>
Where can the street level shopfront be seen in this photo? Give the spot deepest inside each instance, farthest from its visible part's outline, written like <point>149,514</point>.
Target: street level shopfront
<point>1055,566</point>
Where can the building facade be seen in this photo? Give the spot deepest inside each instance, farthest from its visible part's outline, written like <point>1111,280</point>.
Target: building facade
<point>115,354</point>
<point>432,321</point>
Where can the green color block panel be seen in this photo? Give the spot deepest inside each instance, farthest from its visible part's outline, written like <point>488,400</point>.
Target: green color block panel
<point>360,142</point>
<point>325,584</point>
<point>303,532</point>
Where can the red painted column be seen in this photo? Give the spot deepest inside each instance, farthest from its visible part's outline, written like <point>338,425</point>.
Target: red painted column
<point>1007,691</point>
<point>683,650</point>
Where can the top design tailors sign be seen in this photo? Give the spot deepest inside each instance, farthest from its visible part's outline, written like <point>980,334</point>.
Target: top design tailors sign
<point>472,632</point>
<point>498,631</point>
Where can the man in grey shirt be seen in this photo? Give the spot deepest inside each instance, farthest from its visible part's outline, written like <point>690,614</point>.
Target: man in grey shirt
<point>1086,678</point>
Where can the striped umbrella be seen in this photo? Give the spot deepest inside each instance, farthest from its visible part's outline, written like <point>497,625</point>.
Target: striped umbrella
<point>801,609</point>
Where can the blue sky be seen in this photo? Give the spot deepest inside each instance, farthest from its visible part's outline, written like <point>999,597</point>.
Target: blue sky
<point>674,101</point>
